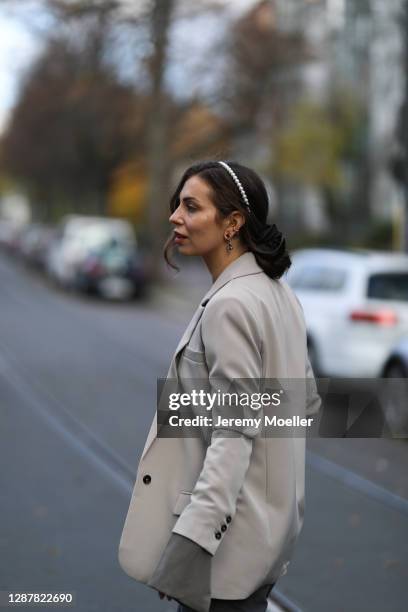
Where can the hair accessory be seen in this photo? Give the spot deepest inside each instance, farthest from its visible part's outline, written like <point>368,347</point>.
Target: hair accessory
<point>238,184</point>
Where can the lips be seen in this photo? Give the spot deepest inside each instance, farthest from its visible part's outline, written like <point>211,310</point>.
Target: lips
<point>178,236</point>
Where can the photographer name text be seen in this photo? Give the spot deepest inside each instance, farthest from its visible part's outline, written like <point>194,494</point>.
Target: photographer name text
<point>274,421</point>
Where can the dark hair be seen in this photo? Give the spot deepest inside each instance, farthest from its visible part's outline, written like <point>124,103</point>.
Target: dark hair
<point>265,241</point>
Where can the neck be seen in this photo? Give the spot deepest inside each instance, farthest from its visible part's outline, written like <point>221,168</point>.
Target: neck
<point>218,261</point>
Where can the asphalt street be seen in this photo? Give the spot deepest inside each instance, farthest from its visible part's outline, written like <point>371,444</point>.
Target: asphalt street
<point>77,396</point>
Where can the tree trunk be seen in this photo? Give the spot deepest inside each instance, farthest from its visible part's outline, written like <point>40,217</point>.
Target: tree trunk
<point>159,169</point>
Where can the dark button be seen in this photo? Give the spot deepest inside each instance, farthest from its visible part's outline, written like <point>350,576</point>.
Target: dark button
<point>223,527</point>
<point>218,535</point>
<point>147,479</point>
<point>228,519</point>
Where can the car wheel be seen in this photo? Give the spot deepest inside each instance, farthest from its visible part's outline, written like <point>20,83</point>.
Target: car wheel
<point>140,292</point>
<point>395,402</point>
<point>396,369</point>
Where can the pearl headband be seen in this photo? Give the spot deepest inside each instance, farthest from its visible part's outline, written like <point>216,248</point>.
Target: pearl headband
<point>238,184</point>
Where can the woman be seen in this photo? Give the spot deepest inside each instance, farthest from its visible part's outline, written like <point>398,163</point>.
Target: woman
<point>214,519</point>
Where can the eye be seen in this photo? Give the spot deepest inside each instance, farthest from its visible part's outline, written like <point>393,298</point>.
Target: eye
<point>191,207</point>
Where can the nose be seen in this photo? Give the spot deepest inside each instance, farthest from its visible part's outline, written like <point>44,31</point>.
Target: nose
<point>175,216</point>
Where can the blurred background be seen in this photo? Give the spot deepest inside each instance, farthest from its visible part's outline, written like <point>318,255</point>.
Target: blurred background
<point>103,105</point>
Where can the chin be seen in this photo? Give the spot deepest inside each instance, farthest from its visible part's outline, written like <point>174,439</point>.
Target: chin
<point>186,250</point>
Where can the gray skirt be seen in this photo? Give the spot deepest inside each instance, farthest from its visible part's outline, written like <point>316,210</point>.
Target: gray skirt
<point>257,602</point>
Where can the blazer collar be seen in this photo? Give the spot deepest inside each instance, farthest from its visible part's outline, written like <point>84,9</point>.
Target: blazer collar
<point>242,266</point>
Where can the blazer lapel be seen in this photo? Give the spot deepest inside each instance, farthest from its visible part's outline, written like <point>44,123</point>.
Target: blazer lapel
<point>172,373</point>
<point>185,339</point>
<point>243,266</point>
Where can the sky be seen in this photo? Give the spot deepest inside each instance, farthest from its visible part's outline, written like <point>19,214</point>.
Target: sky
<point>18,47</point>
<point>21,42</point>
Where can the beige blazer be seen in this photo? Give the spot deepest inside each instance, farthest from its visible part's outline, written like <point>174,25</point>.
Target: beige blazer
<point>242,498</point>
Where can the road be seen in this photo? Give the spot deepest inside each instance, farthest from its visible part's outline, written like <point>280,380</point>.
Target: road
<point>77,395</point>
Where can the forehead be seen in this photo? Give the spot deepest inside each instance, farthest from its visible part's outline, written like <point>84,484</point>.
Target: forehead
<point>196,187</point>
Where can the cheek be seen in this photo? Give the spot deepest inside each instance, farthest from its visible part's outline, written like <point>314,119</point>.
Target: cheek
<point>205,227</point>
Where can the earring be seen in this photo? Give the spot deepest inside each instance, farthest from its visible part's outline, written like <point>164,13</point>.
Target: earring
<point>229,246</point>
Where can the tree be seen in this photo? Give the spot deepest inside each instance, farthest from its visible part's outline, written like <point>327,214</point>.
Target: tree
<point>399,160</point>
<point>263,69</point>
<point>317,146</point>
<point>158,143</point>
<point>71,127</point>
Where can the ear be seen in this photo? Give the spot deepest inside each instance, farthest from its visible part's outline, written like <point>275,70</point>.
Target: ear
<point>236,220</point>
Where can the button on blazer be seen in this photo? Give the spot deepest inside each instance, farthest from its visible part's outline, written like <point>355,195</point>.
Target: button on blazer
<point>240,498</point>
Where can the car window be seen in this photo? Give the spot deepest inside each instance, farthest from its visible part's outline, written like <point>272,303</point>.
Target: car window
<point>318,278</point>
<point>388,286</point>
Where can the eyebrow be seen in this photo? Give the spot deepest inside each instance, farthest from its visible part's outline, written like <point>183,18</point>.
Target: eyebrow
<point>189,198</point>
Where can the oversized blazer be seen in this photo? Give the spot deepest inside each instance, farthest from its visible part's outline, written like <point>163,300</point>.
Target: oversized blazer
<point>241,498</point>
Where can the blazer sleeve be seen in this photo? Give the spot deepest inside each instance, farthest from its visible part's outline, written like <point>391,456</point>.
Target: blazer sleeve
<point>232,343</point>
<point>313,399</point>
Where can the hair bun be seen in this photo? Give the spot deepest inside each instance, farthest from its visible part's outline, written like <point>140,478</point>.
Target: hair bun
<point>272,237</point>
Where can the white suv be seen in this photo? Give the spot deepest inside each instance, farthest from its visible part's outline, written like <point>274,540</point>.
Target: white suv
<point>355,305</point>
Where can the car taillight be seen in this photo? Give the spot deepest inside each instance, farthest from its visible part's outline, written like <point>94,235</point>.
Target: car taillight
<point>94,268</point>
<point>382,316</point>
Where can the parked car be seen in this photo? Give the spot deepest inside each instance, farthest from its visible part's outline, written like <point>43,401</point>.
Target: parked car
<point>76,237</point>
<point>355,305</point>
<point>396,405</point>
<point>114,271</point>
<point>396,365</point>
<point>34,244</point>
<point>6,233</point>
<point>11,234</point>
